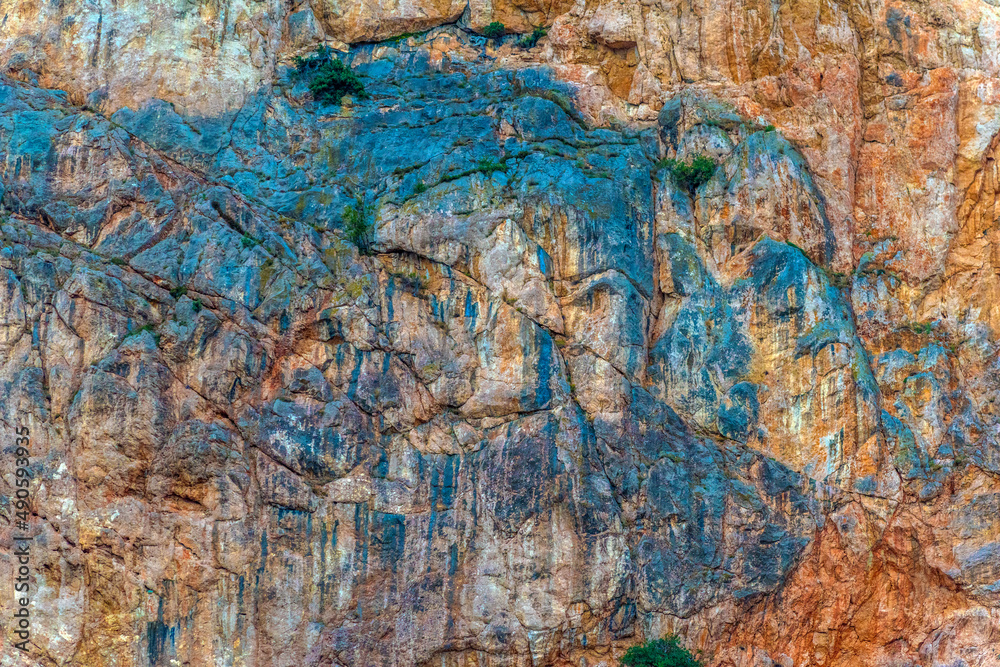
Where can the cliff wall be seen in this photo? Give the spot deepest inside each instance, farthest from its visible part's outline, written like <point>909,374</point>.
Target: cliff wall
<point>564,404</point>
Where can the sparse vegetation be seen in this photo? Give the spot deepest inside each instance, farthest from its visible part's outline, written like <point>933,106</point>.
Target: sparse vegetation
<point>178,291</point>
<point>248,241</point>
<point>151,329</point>
<point>489,165</point>
<point>420,188</point>
<point>484,166</point>
<point>411,281</point>
<point>921,328</point>
<point>197,305</point>
<point>796,246</point>
<point>358,226</point>
<point>529,41</point>
<point>330,78</point>
<point>558,97</point>
<point>563,101</point>
<point>314,62</point>
<point>267,271</point>
<point>840,280</point>
<point>402,38</point>
<point>666,652</point>
<point>690,175</point>
<point>495,30</point>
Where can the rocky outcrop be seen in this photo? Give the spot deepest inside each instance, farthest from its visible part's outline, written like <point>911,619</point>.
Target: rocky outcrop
<point>564,403</point>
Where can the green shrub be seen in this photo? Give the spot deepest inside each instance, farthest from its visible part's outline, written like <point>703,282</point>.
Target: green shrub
<point>179,291</point>
<point>494,30</point>
<point>769,128</point>
<point>420,188</point>
<point>489,165</point>
<point>666,652</point>
<point>333,82</point>
<point>529,41</point>
<point>921,328</point>
<point>151,329</point>
<point>563,101</point>
<point>412,281</point>
<point>197,305</point>
<point>248,241</point>
<point>357,226</point>
<point>330,79</point>
<point>317,60</point>
<point>690,175</point>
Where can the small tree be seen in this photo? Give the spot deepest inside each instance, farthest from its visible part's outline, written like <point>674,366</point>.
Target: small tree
<point>329,78</point>
<point>357,226</point>
<point>494,30</point>
<point>691,175</point>
<point>529,41</point>
<point>334,81</point>
<point>666,652</point>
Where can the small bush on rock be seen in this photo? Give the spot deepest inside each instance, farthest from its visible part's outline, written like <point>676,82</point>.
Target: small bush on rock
<point>412,281</point>
<point>529,41</point>
<point>494,30</point>
<point>330,79</point>
<point>690,175</point>
<point>666,652</point>
<point>357,226</point>
<point>335,81</point>
<point>322,56</point>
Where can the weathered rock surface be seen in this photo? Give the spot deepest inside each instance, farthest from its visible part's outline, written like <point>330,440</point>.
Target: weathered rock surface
<point>565,404</point>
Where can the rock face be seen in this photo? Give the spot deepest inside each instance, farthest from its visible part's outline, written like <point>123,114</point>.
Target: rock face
<point>564,404</point>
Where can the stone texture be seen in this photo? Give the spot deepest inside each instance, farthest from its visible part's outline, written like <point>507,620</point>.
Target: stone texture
<point>565,405</point>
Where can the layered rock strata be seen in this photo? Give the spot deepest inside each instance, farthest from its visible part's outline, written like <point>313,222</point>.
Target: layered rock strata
<point>565,404</point>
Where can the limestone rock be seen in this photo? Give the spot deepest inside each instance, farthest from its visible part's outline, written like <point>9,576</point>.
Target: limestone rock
<point>560,403</point>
